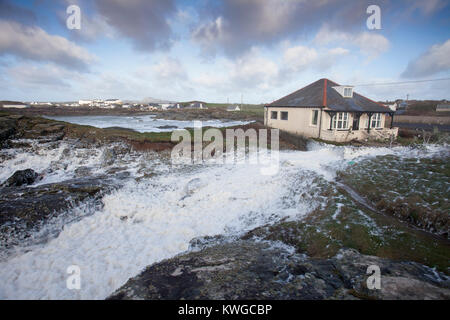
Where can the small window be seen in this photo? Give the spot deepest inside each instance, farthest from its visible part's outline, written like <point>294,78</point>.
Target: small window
<point>274,115</point>
<point>348,92</point>
<point>315,117</point>
<point>284,115</point>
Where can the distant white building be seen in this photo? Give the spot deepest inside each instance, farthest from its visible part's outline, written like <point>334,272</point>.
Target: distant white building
<point>233,108</point>
<point>85,102</point>
<point>16,106</point>
<point>165,106</point>
<point>113,101</point>
<point>393,106</point>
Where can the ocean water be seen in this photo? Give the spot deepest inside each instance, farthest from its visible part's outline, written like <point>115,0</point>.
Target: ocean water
<point>144,123</point>
<point>152,219</point>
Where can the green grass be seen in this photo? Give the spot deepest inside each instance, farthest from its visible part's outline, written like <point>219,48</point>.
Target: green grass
<point>323,232</point>
<point>255,110</point>
<point>414,190</point>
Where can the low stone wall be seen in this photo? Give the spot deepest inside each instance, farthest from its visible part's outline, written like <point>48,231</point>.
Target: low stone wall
<point>422,119</point>
<point>363,134</point>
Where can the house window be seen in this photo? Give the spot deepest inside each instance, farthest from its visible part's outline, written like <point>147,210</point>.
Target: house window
<point>283,115</point>
<point>274,115</point>
<point>376,120</point>
<point>366,123</point>
<point>340,121</point>
<point>348,92</point>
<point>315,117</point>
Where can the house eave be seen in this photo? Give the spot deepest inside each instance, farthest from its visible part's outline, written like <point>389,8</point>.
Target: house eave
<point>301,107</point>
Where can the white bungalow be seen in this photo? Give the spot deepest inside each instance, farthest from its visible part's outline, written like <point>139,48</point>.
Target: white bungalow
<point>329,111</point>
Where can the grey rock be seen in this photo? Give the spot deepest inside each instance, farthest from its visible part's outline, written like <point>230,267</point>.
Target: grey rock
<point>8,127</point>
<point>82,171</point>
<point>21,177</point>
<point>261,270</point>
<point>25,210</point>
<point>109,157</point>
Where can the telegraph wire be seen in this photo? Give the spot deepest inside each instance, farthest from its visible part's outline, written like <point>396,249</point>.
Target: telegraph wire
<point>400,82</point>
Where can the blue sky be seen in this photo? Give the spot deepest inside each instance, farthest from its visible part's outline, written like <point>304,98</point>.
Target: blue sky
<point>217,50</point>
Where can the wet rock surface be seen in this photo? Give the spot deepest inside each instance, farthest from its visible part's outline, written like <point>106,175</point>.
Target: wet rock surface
<point>8,127</point>
<point>19,126</point>
<point>21,177</point>
<point>262,270</point>
<point>24,210</point>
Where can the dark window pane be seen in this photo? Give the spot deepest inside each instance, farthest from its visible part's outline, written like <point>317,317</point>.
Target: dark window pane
<point>315,117</point>
<point>274,115</point>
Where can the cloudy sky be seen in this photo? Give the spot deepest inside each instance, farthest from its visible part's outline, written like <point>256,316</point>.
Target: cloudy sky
<point>217,50</point>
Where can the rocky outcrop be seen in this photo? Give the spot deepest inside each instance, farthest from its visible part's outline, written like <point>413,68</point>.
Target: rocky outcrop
<point>263,270</point>
<point>8,127</point>
<point>25,210</point>
<point>19,126</point>
<point>21,177</point>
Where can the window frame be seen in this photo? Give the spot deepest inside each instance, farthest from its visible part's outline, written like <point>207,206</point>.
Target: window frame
<point>375,121</point>
<point>273,113</point>
<point>350,89</point>
<point>284,113</point>
<point>315,114</point>
<point>341,118</point>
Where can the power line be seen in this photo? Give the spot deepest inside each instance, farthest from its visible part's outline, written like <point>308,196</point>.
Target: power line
<point>402,82</point>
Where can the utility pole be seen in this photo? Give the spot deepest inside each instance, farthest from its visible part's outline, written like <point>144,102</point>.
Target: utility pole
<point>241,100</point>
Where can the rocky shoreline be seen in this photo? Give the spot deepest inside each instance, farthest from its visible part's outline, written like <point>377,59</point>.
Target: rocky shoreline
<point>173,114</point>
<point>324,255</point>
<point>248,269</point>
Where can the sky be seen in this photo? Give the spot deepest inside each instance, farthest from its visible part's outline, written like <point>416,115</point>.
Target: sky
<point>221,50</point>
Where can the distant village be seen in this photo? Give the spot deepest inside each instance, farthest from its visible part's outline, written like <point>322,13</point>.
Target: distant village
<point>118,103</point>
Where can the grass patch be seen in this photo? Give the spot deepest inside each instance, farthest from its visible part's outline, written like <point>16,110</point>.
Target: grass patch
<point>342,223</point>
<point>416,190</point>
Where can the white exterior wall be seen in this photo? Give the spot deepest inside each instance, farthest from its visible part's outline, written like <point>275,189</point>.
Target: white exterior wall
<point>300,122</point>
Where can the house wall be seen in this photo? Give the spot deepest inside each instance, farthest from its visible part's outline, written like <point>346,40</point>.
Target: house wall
<point>300,122</point>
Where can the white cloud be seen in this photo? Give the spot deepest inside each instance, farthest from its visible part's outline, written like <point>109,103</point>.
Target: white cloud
<point>211,80</point>
<point>33,43</point>
<point>369,43</point>
<point>254,70</point>
<point>299,57</point>
<point>30,75</point>
<point>168,69</point>
<point>436,59</point>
